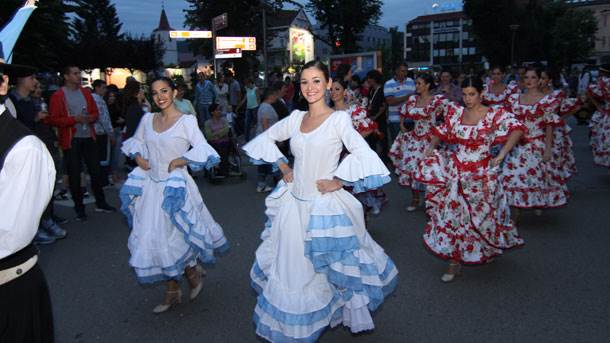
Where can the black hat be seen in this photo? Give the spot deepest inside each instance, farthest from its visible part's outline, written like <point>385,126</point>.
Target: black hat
<point>14,70</point>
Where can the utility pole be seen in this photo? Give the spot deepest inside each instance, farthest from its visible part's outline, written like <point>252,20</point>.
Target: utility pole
<point>265,44</point>
<point>513,29</point>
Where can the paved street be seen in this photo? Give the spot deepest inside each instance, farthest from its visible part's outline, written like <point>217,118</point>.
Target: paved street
<point>554,289</point>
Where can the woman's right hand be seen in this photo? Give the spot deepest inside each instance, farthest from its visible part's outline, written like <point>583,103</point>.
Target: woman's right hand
<point>142,163</point>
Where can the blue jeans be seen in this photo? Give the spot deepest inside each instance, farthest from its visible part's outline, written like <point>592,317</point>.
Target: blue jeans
<point>264,176</point>
<point>250,119</point>
<point>204,114</point>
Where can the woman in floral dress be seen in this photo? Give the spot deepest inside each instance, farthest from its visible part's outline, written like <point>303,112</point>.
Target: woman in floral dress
<point>528,173</point>
<point>408,148</point>
<point>495,91</point>
<point>469,215</point>
<point>599,92</point>
<point>563,161</point>
<point>372,200</point>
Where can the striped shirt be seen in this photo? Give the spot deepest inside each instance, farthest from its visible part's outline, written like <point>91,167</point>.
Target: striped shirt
<point>397,89</point>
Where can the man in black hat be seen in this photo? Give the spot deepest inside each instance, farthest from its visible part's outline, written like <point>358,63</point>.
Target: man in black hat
<point>27,176</point>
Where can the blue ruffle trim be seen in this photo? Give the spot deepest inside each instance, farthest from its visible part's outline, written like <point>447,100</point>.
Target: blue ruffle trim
<point>368,183</point>
<point>274,166</point>
<point>127,195</point>
<point>210,163</point>
<point>326,251</point>
<point>173,272</point>
<point>173,201</point>
<point>330,313</point>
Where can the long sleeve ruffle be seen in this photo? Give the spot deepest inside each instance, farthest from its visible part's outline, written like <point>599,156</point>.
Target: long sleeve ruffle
<point>262,149</point>
<point>202,156</point>
<point>362,169</point>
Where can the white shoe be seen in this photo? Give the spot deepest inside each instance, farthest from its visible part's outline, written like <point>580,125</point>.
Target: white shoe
<point>454,270</point>
<point>267,189</point>
<point>171,298</point>
<point>538,212</point>
<point>411,208</point>
<point>259,189</point>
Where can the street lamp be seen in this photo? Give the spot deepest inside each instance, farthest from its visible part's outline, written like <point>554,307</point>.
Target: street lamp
<point>513,30</point>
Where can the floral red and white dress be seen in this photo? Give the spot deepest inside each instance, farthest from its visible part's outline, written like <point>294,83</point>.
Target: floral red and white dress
<point>491,99</point>
<point>528,181</point>
<point>563,161</point>
<point>600,122</point>
<point>360,119</point>
<point>469,215</point>
<point>408,148</point>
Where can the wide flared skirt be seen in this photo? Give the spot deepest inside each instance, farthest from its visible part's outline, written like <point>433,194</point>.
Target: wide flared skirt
<point>317,267</point>
<point>171,226</point>
<point>600,138</point>
<point>469,214</point>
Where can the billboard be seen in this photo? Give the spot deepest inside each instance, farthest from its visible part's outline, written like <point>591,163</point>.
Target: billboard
<point>190,34</point>
<point>361,63</point>
<point>301,46</point>
<point>243,43</point>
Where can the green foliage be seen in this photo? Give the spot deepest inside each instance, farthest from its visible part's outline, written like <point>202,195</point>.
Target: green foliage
<point>549,30</point>
<point>44,41</point>
<point>345,20</point>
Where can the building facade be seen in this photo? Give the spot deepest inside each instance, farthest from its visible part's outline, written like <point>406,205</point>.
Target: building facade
<point>161,36</point>
<point>601,11</point>
<point>291,42</point>
<point>372,38</point>
<point>443,39</point>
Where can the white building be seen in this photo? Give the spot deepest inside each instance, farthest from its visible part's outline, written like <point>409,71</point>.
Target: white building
<point>601,10</point>
<point>291,40</point>
<point>170,47</point>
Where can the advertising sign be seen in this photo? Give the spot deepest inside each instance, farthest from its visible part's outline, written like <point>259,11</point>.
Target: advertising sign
<point>301,46</point>
<point>243,43</point>
<point>228,53</point>
<point>220,22</point>
<point>190,34</point>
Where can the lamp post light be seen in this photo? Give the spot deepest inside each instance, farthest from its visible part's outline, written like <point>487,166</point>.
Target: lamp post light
<point>513,30</point>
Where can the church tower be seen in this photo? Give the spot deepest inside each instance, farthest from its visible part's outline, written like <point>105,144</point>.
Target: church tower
<point>169,45</point>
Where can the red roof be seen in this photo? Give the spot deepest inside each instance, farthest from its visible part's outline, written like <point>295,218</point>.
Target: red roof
<point>163,22</point>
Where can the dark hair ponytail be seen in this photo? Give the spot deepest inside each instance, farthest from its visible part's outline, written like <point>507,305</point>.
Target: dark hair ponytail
<point>473,82</point>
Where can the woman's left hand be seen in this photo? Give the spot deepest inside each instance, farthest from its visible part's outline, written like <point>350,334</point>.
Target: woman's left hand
<point>177,163</point>
<point>328,186</point>
<point>497,160</point>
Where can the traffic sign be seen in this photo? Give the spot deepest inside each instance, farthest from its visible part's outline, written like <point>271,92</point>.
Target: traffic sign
<point>244,43</point>
<point>190,34</point>
<point>220,22</point>
<point>228,55</point>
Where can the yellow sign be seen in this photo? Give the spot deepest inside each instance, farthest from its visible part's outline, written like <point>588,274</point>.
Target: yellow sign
<point>243,43</point>
<point>190,34</point>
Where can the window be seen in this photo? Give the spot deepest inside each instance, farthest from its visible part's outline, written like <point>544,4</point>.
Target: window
<point>435,52</point>
<point>464,35</point>
<point>464,51</point>
<point>456,51</point>
<point>442,52</point>
<point>472,51</point>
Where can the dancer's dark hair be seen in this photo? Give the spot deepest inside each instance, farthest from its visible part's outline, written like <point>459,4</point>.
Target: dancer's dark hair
<point>318,65</point>
<point>474,82</point>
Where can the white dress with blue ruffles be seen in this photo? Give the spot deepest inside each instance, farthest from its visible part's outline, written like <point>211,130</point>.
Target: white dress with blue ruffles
<point>171,226</point>
<point>317,265</point>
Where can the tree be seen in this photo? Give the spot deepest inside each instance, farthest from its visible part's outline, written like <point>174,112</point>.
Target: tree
<point>549,30</point>
<point>97,33</point>
<point>245,19</point>
<point>345,20</point>
<point>44,42</point>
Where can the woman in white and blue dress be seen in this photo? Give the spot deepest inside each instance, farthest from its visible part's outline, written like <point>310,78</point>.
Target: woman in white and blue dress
<point>317,265</point>
<point>172,230</point>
